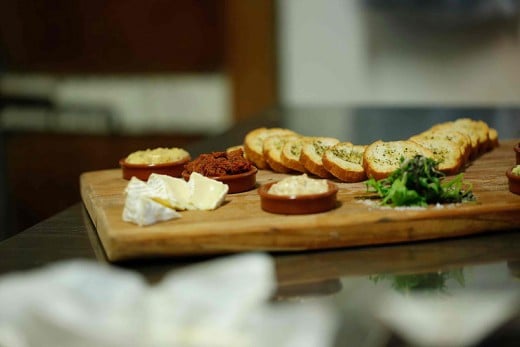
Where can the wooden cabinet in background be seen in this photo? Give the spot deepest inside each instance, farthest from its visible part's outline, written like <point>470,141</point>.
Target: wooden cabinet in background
<point>85,37</point>
<point>40,171</point>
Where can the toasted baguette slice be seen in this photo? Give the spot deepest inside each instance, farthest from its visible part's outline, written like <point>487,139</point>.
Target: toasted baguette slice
<point>312,152</point>
<point>382,158</point>
<point>291,151</point>
<point>473,136</point>
<point>446,134</point>
<point>478,131</point>
<point>345,162</point>
<point>481,128</point>
<point>493,138</point>
<point>445,152</point>
<point>235,148</point>
<point>273,146</point>
<point>254,144</point>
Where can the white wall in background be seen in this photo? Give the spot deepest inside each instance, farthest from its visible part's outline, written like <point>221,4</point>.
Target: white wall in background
<point>334,53</point>
<point>162,103</point>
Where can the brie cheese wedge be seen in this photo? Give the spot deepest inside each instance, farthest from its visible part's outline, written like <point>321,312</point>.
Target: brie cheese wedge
<point>142,210</point>
<point>161,196</point>
<point>206,193</point>
<point>170,191</point>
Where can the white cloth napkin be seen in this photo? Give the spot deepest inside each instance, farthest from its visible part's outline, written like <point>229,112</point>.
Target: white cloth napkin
<point>223,302</point>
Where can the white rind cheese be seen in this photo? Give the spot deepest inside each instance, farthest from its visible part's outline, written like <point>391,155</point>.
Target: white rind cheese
<point>142,211</point>
<point>206,193</point>
<point>171,191</point>
<point>161,196</point>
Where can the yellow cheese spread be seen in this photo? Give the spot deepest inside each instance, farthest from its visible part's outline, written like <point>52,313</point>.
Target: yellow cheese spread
<point>299,185</point>
<point>157,156</point>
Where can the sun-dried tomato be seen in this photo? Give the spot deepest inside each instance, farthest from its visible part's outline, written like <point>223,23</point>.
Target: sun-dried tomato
<point>219,164</point>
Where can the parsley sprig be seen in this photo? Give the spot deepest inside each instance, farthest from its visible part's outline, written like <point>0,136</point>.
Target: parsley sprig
<point>418,182</point>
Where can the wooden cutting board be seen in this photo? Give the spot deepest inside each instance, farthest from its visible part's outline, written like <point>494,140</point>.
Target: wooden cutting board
<point>241,225</point>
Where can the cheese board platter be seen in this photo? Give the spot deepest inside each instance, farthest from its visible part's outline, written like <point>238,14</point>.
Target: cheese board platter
<point>240,224</point>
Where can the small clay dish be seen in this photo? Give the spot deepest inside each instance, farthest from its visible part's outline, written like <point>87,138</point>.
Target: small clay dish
<point>517,151</point>
<point>514,181</point>
<point>299,204</point>
<point>238,183</point>
<point>143,171</point>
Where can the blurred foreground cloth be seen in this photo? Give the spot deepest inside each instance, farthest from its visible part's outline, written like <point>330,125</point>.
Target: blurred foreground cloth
<point>227,302</point>
<point>223,302</point>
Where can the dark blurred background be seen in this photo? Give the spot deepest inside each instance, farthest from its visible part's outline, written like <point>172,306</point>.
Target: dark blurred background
<point>84,83</point>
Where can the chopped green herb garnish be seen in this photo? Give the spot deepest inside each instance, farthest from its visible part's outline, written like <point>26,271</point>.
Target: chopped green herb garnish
<point>418,182</point>
<point>319,147</point>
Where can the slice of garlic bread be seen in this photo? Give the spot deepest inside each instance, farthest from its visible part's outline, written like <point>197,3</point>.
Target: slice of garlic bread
<point>382,158</point>
<point>273,146</point>
<point>312,153</point>
<point>493,138</point>
<point>447,154</point>
<point>254,144</point>
<point>446,134</point>
<point>473,137</point>
<point>291,151</point>
<point>236,148</point>
<point>478,131</point>
<point>345,162</point>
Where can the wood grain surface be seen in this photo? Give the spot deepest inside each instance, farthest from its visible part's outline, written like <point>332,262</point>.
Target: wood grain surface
<point>241,225</point>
